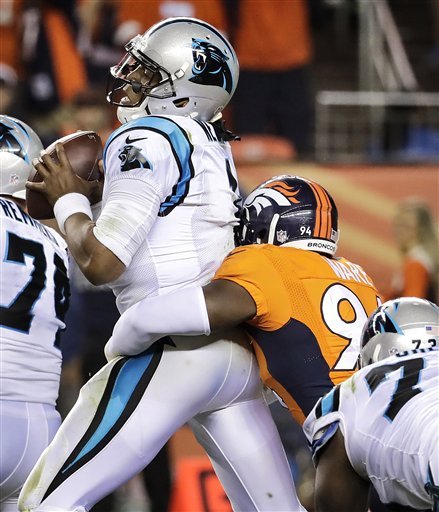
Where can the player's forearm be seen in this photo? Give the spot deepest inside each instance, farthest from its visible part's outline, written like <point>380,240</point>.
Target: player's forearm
<point>74,216</point>
<point>97,262</point>
<point>180,313</point>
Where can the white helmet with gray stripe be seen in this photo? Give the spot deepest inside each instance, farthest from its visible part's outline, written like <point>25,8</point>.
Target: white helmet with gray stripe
<point>399,325</point>
<point>180,66</point>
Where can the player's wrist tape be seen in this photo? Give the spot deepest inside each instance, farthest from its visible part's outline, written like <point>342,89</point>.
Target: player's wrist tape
<point>68,205</point>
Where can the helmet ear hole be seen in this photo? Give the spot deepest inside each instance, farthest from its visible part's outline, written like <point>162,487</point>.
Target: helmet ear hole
<point>181,102</point>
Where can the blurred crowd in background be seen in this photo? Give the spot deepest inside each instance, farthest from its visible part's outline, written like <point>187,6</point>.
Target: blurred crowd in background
<point>54,61</point>
<point>55,56</point>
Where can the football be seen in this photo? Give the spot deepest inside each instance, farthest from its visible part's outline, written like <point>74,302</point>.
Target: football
<point>84,150</point>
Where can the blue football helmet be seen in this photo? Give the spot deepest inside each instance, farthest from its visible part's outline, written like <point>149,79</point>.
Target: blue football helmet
<point>290,210</point>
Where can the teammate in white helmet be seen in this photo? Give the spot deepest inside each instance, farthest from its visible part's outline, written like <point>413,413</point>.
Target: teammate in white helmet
<point>381,426</point>
<point>34,296</point>
<point>170,206</point>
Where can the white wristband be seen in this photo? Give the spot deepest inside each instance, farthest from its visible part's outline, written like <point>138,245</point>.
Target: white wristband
<point>68,205</point>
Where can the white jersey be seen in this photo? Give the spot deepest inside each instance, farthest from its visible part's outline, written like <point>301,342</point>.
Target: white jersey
<point>388,413</point>
<point>174,183</point>
<point>169,205</point>
<point>34,294</point>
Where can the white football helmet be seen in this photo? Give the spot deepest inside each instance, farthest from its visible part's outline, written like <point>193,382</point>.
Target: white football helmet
<point>19,145</point>
<point>399,325</point>
<point>180,66</point>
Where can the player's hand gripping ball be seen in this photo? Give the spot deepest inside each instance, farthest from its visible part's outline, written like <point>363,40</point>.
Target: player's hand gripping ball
<point>84,150</point>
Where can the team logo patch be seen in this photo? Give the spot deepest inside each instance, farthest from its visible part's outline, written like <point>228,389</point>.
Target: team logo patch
<point>131,157</point>
<point>281,236</point>
<point>14,179</point>
<point>210,66</point>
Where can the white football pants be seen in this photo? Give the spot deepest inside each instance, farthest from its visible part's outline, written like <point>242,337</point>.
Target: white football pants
<point>26,429</point>
<point>128,410</point>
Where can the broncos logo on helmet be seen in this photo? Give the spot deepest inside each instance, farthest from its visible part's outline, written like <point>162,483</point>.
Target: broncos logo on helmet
<point>290,209</point>
<point>275,192</point>
<point>210,66</point>
<point>132,158</point>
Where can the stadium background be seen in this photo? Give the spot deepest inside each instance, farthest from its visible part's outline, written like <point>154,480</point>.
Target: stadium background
<point>367,197</point>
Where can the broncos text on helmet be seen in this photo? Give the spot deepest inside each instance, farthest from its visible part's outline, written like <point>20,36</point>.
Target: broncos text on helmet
<point>180,66</point>
<point>399,325</point>
<point>19,145</point>
<point>293,210</point>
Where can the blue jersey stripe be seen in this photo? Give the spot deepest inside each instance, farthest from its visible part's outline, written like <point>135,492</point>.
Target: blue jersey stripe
<point>328,403</point>
<point>124,386</point>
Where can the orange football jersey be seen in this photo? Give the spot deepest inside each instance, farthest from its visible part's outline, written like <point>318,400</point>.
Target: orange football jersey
<point>310,313</point>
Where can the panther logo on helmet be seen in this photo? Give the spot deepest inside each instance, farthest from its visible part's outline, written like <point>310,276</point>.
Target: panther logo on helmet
<point>10,143</point>
<point>180,66</point>
<point>19,145</point>
<point>210,66</point>
<point>132,158</point>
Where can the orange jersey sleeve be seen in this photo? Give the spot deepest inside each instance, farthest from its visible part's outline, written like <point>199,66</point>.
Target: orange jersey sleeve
<point>249,267</point>
<point>310,313</point>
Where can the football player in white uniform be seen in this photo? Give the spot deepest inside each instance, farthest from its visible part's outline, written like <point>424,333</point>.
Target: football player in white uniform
<point>169,208</point>
<point>381,426</point>
<point>34,294</point>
